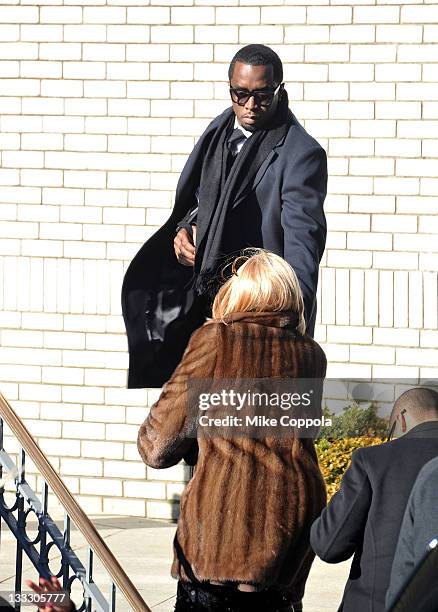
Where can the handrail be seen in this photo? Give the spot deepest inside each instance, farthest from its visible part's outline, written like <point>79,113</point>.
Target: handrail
<point>78,516</point>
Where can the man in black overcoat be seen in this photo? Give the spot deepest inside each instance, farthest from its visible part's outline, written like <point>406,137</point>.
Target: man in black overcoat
<point>364,517</point>
<point>255,178</point>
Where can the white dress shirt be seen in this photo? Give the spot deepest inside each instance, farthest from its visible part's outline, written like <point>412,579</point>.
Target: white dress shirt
<point>236,146</point>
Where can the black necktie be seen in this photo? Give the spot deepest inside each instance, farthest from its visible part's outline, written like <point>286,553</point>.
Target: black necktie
<point>236,136</point>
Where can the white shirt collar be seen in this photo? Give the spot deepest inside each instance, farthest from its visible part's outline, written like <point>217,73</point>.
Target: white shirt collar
<point>244,132</point>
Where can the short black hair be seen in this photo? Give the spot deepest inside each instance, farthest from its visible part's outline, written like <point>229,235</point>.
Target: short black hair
<point>258,55</point>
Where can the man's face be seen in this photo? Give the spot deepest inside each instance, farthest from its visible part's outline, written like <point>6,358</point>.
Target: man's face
<point>252,115</point>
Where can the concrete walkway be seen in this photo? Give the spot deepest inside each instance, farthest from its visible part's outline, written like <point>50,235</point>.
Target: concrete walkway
<point>144,549</point>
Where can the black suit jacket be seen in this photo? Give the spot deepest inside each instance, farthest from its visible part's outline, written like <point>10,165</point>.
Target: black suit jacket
<point>419,528</point>
<point>364,518</point>
<point>281,211</point>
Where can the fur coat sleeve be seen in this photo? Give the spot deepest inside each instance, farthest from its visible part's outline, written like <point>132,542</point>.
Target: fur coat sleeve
<point>168,435</point>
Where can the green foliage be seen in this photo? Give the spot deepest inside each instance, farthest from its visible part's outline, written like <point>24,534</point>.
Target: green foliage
<point>354,428</point>
<point>355,421</point>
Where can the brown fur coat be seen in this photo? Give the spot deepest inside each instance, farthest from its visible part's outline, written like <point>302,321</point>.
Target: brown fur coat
<point>246,514</point>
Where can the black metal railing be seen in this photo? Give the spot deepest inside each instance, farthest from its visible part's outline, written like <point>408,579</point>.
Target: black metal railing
<point>49,535</point>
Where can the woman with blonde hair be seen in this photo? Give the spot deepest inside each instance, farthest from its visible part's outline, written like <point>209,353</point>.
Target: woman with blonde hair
<point>242,541</point>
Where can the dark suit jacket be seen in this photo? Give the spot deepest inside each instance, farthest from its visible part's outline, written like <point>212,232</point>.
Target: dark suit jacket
<point>282,212</point>
<point>419,528</point>
<point>364,518</point>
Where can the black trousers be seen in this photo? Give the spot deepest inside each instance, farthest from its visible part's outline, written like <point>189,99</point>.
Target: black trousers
<point>207,597</point>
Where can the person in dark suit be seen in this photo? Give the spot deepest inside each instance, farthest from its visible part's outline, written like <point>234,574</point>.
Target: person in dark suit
<point>255,178</point>
<point>418,534</point>
<point>363,519</point>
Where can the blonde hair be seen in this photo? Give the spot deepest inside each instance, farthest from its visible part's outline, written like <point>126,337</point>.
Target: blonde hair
<point>264,282</point>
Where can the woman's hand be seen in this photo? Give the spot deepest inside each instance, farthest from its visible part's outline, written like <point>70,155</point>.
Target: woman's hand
<point>51,587</point>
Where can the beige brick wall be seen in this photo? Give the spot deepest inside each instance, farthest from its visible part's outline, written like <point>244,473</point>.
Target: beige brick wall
<point>100,105</point>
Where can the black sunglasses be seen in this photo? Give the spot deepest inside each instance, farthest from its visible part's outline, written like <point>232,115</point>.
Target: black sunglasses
<point>262,97</point>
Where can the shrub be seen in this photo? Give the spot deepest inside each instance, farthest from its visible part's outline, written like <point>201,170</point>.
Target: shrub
<point>354,428</point>
<point>335,456</point>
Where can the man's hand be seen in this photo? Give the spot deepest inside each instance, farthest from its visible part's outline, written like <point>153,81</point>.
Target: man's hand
<point>50,587</point>
<point>185,247</point>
